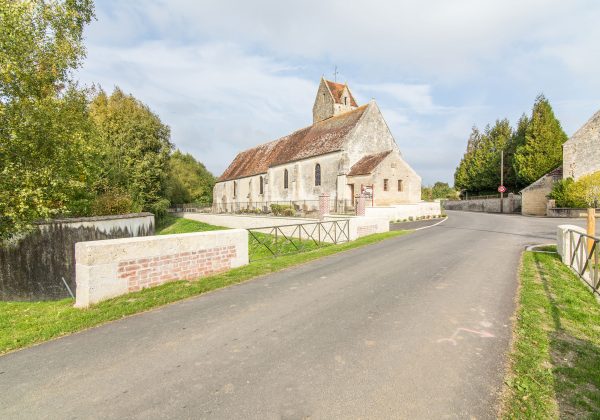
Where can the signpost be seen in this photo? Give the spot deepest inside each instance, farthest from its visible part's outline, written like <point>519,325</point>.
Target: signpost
<point>502,188</point>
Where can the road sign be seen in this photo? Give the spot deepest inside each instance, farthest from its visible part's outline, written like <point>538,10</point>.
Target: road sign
<point>501,189</point>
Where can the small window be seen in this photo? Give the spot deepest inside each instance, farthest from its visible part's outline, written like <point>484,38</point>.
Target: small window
<point>285,179</point>
<point>234,189</point>
<point>385,185</point>
<point>261,185</point>
<point>345,100</point>
<point>400,187</point>
<point>317,175</point>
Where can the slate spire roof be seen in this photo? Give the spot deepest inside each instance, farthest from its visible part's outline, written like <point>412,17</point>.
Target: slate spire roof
<point>318,139</point>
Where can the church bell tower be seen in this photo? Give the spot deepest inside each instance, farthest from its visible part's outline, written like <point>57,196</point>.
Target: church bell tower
<point>332,99</point>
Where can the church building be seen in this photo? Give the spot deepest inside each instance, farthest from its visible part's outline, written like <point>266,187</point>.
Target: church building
<point>347,150</point>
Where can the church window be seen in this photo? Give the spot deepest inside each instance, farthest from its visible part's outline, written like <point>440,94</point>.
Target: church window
<point>400,187</point>
<point>385,185</point>
<point>234,189</point>
<point>317,175</point>
<point>285,179</point>
<point>261,186</point>
<point>345,100</point>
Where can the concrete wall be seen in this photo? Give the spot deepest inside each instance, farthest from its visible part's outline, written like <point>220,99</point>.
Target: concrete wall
<point>107,269</point>
<point>404,211</point>
<point>32,267</point>
<point>363,226</point>
<point>581,153</point>
<point>490,205</point>
<point>569,213</point>
<point>563,240</point>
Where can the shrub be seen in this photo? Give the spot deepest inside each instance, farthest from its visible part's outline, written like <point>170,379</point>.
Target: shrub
<point>289,212</point>
<point>280,209</point>
<point>577,194</point>
<point>113,202</point>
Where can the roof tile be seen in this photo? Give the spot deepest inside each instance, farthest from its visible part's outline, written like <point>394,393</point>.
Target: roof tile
<point>367,164</point>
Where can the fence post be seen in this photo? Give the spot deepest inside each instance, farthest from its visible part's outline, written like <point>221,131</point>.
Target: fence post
<point>591,228</point>
<point>323,206</point>
<point>360,205</point>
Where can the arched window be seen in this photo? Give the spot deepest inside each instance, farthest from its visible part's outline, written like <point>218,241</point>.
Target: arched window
<point>317,175</point>
<point>261,187</point>
<point>285,179</point>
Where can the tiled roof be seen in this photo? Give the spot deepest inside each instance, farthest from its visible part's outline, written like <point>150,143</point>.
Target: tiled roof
<point>323,137</point>
<point>555,174</point>
<point>367,164</point>
<point>336,90</point>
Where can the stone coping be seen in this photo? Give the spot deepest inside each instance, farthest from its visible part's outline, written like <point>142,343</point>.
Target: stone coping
<point>92,218</point>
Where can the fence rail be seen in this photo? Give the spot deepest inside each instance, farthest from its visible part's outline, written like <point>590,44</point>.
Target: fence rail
<point>274,241</point>
<point>585,258</point>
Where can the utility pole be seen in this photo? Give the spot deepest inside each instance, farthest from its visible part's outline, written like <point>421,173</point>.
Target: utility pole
<point>502,181</point>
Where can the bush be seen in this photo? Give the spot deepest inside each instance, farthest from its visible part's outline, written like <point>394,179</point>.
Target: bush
<point>289,212</point>
<point>282,210</point>
<point>113,202</point>
<point>577,194</point>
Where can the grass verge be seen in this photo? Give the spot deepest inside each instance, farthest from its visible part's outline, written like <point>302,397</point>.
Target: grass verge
<point>555,358</point>
<point>26,323</point>
<point>172,224</point>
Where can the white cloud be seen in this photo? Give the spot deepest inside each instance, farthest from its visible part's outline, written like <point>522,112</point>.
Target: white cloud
<point>228,75</point>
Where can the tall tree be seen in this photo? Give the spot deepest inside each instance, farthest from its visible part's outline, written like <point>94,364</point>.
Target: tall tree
<point>135,147</point>
<point>541,150</point>
<point>189,180</point>
<point>44,129</point>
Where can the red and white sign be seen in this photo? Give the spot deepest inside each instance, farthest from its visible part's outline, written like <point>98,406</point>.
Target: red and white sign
<point>501,189</point>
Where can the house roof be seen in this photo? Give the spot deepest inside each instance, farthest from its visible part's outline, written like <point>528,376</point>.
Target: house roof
<point>368,163</point>
<point>337,89</point>
<point>556,173</point>
<point>318,139</point>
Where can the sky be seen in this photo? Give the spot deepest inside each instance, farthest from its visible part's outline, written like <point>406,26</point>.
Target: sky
<point>229,75</point>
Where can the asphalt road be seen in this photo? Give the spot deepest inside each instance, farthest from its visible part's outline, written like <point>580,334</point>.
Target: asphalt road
<point>413,327</point>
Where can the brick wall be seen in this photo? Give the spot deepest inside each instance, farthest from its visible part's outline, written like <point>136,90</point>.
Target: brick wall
<point>149,272</point>
<point>110,268</point>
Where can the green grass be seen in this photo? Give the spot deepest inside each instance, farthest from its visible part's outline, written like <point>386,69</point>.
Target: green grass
<point>172,224</point>
<point>26,323</point>
<point>555,360</point>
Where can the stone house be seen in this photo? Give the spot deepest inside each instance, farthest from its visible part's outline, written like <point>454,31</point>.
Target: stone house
<point>581,156</point>
<point>534,198</point>
<point>581,153</point>
<point>347,149</point>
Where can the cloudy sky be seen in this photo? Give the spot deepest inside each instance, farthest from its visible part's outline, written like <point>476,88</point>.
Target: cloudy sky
<point>227,75</point>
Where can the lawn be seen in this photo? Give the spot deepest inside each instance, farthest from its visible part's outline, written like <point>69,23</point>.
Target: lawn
<point>171,225</point>
<point>555,359</point>
<point>26,323</point>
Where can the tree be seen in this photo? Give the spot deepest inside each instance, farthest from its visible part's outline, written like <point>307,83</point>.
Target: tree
<point>44,129</point>
<point>189,181</point>
<point>541,150</point>
<point>135,147</point>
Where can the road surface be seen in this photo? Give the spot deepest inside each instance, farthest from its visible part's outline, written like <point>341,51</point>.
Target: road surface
<point>412,327</point>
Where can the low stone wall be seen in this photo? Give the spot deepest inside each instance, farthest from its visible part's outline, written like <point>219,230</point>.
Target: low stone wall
<point>358,225</point>
<point>511,204</point>
<point>106,269</point>
<point>406,211</point>
<point>569,213</point>
<point>33,267</point>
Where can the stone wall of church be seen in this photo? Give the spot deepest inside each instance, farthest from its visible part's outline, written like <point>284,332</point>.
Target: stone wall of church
<point>301,179</point>
<point>581,154</point>
<point>247,194</point>
<point>324,105</point>
<point>370,136</point>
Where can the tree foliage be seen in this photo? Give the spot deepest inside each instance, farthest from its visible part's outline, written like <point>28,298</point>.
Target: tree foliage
<point>44,128</point>
<point>531,150</point>
<point>189,181</point>
<point>134,146</point>
<point>541,150</point>
<point>439,190</point>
